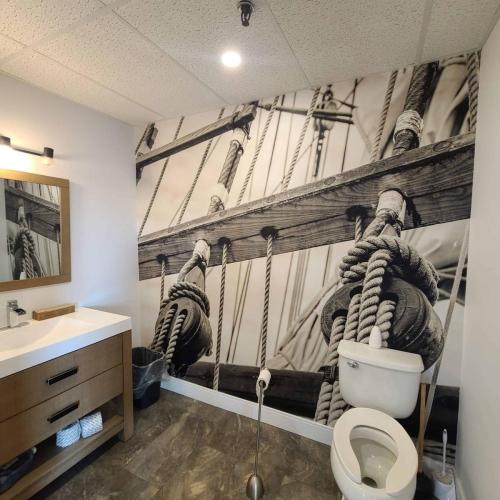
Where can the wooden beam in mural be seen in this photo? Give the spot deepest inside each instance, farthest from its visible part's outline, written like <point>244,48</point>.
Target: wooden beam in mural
<point>44,216</point>
<point>292,390</point>
<point>236,120</point>
<point>436,178</point>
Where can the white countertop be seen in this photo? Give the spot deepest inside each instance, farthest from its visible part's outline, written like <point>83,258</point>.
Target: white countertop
<point>35,342</point>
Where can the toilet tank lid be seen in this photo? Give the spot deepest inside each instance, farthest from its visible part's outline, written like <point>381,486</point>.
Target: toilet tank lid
<point>384,357</point>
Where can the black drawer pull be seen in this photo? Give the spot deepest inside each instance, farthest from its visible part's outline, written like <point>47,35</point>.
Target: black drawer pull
<point>61,413</point>
<point>62,375</point>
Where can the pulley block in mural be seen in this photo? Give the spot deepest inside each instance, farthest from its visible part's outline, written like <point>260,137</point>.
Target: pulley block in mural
<point>195,335</point>
<point>415,325</point>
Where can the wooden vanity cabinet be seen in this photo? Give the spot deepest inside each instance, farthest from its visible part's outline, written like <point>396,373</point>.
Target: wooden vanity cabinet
<point>37,402</point>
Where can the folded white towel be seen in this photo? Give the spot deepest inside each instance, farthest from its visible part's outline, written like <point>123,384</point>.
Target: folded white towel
<point>91,424</point>
<point>69,435</point>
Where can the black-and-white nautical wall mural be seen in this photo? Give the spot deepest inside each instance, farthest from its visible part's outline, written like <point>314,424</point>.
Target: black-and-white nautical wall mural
<point>311,137</point>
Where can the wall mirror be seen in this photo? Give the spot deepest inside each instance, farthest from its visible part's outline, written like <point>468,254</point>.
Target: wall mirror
<point>34,230</point>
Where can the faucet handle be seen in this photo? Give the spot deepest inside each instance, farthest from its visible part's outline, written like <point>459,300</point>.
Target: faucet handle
<point>12,304</point>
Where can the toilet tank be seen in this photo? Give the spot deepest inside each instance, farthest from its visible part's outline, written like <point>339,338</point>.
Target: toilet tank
<point>384,379</point>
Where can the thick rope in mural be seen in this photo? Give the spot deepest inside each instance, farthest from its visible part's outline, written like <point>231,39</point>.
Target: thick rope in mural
<point>358,228</point>
<point>409,124</point>
<point>158,182</point>
<point>219,197</point>
<point>172,341</point>
<point>472,66</point>
<point>375,254</point>
<point>143,137</point>
<point>269,235</point>
<point>376,152</point>
<point>257,150</point>
<point>202,164</point>
<point>305,126</point>
<point>327,386</point>
<point>162,278</point>
<point>225,245</point>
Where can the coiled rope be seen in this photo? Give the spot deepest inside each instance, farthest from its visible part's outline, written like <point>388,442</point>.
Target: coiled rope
<point>172,341</point>
<point>327,387</point>
<point>158,182</point>
<point>358,227</point>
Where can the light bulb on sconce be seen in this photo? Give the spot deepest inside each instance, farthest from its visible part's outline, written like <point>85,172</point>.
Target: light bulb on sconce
<point>5,142</point>
<point>5,150</point>
<point>47,156</point>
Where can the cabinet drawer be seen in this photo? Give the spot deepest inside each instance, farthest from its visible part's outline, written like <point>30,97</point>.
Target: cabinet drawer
<point>27,388</point>
<point>26,429</point>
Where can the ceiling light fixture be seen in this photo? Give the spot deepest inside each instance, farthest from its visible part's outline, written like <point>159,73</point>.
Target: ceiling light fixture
<point>231,59</point>
<point>47,154</point>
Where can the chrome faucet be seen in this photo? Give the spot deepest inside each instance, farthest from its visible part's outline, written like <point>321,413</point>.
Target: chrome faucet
<point>13,313</point>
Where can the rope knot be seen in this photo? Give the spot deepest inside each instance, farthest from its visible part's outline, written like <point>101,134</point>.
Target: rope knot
<point>184,289</point>
<point>409,120</point>
<point>370,258</point>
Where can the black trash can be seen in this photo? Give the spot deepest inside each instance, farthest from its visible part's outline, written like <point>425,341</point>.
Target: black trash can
<point>147,371</point>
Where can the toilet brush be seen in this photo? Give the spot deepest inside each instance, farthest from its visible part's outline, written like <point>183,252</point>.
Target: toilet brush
<point>445,442</point>
<point>443,479</point>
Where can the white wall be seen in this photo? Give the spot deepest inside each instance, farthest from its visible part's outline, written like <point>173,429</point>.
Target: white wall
<point>478,458</point>
<point>95,152</point>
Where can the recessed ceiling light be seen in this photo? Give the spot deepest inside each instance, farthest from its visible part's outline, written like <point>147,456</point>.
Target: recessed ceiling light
<point>231,59</point>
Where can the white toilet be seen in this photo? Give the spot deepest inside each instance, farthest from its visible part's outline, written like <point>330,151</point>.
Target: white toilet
<point>372,455</point>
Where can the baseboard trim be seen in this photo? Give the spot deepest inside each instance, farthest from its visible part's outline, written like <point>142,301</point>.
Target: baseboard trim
<point>277,418</point>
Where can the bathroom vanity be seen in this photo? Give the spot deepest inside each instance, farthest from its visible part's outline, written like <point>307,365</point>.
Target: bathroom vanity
<point>54,372</point>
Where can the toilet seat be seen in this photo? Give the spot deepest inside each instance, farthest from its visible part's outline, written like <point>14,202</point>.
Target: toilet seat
<point>405,467</point>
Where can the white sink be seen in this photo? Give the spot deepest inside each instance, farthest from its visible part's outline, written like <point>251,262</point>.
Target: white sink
<point>35,342</point>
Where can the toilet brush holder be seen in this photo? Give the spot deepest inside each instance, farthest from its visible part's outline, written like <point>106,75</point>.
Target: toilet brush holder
<point>68,435</point>
<point>444,485</point>
<point>91,424</point>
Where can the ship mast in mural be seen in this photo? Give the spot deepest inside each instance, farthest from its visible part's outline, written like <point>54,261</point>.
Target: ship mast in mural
<point>427,185</point>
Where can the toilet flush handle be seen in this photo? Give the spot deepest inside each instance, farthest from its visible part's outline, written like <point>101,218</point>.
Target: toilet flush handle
<point>353,364</point>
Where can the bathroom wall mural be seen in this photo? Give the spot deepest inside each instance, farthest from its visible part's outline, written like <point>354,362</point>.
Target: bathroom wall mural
<point>343,132</point>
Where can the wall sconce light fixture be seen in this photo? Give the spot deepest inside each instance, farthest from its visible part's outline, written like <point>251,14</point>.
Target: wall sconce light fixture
<point>47,154</point>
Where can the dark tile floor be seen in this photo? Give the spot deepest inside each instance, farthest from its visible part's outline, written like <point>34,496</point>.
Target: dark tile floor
<point>184,449</point>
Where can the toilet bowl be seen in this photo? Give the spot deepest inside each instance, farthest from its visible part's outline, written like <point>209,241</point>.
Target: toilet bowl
<point>373,457</point>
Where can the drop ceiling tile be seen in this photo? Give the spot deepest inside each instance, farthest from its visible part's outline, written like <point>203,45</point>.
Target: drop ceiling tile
<point>195,33</point>
<point>47,74</point>
<point>338,39</point>
<point>111,52</point>
<point>457,26</point>
<point>30,20</point>
<point>8,46</point>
